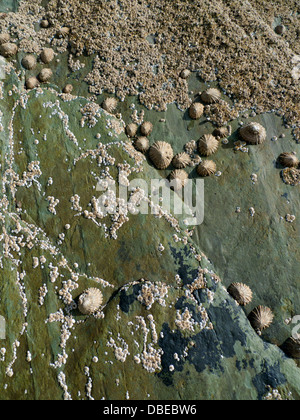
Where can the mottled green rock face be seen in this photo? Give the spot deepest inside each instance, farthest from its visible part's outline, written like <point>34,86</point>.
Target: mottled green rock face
<point>167,328</point>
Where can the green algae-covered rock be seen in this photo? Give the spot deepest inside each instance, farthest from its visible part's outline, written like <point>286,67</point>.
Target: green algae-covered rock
<point>167,328</point>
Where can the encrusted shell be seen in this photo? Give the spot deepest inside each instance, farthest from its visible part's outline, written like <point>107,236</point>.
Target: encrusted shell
<point>206,168</point>
<point>141,144</point>
<point>29,62</point>
<point>146,128</point>
<point>110,104</point>
<point>185,74</point>
<point>211,96</point>
<point>253,133</point>
<point>222,132</point>
<point>47,55</point>
<point>261,318</point>
<point>241,293</point>
<point>4,38</point>
<point>288,160</point>
<point>181,160</point>
<point>90,301</point>
<point>45,75</point>
<point>68,88</point>
<point>196,110</point>
<point>31,82</point>
<point>208,145</point>
<point>178,177</point>
<point>161,154</point>
<point>291,176</point>
<point>291,347</point>
<point>8,49</point>
<point>131,129</point>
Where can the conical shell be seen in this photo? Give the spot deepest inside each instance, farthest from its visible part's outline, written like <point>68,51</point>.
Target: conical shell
<point>131,130</point>
<point>29,62</point>
<point>178,179</point>
<point>68,88</point>
<point>4,38</point>
<point>47,55</point>
<point>181,160</point>
<point>211,96</point>
<point>253,133</point>
<point>288,160</point>
<point>90,301</point>
<point>208,145</point>
<point>206,168</point>
<point>161,154</point>
<point>185,74</point>
<point>44,23</point>
<point>31,82</point>
<point>261,318</point>
<point>280,29</point>
<point>45,75</point>
<point>196,110</point>
<point>146,128</point>
<point>291,347</point>
<point>141,144</point>
<point>8,49</point>
<point>222,132</point>
<point>241,293</point>
<point>110,105</point>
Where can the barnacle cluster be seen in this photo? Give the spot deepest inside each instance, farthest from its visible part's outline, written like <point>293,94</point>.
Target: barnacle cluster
<point>217,39</point>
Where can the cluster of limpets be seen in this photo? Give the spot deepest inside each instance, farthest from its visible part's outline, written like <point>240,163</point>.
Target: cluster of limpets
<point>261,317</point>
<point>140,134</point>
<point>291,164</point>
<point>29,62</point>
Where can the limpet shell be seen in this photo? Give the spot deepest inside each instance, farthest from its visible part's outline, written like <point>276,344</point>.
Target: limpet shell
<point>181,160</point>
<point>211,96</point>
<point>45,75</point>
<point>131,130</point>
<point>146,128</point>
<point>241,293</point>
<point>110,104</point>
<point>261,318</point>
<point>196,110</point>
<point>8,49</point>
<point>141,144</point>
<point>68,88</point>
<point>291,347</point>
<point>29,62</point>
<point>206,168</point>
<point>253,133</point>
<point>178,177</point>
<point>161,154</point>
<point>185,74</point>
<point>90,301</point>
<point>4,38</point>
<point>208,145</point>
<point>288,160</point>
<point>31,82</point>
<point>47,55</point>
